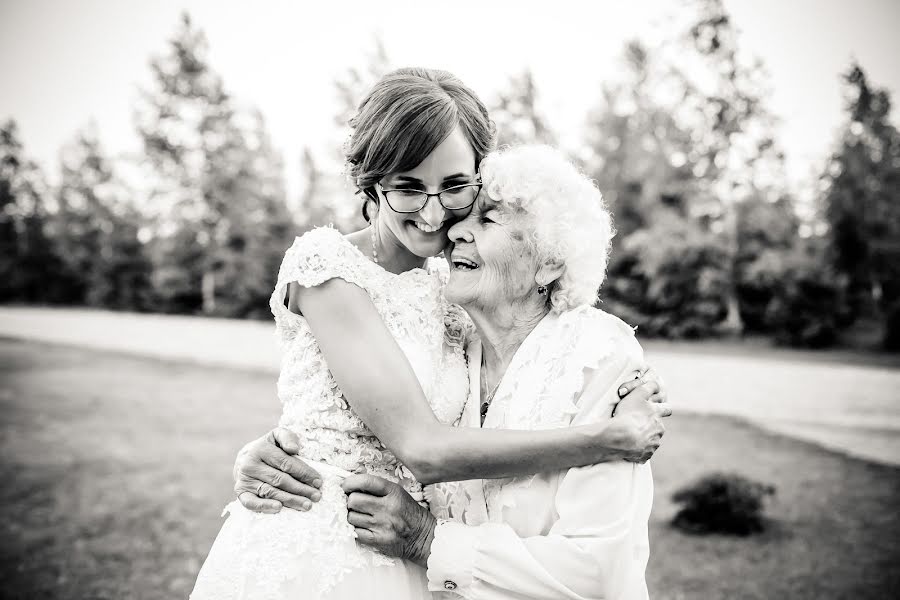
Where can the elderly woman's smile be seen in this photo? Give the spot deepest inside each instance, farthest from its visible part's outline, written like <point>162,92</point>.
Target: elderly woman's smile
<point>491,260</point>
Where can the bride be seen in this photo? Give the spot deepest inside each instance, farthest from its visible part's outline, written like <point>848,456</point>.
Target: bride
<point>374,375</point>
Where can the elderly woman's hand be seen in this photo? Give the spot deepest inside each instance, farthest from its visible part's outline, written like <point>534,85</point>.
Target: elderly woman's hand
<point>387,518</point>
<point>267,476</point>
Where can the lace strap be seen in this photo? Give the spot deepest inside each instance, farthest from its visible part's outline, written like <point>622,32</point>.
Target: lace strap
<point>315,257</point>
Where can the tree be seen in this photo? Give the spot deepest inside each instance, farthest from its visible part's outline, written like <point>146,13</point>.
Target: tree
<point>670,280</point>
<point>317,206</point>
<point>259,229</point>
<point>217,191</point>
<point>328,195</point>
<point>517,116</point>
<point>668,272</point>
<point>688,146</point>
<point>98,230</point>
<point>188,137</point>
<point>767,240</point>
<point>640,157</point>
<point>356,81</point>
<point>738,155</point>
<point>31,269</point>
<point>862,187</point>
<point>11,274</point>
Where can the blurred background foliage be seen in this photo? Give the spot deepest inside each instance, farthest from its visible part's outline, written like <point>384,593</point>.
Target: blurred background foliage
<point>710,239</point>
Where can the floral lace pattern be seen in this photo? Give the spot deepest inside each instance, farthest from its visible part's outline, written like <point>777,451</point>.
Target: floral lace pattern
<point>267,552</point>
<point>414,310</point>
<point>546,376</point>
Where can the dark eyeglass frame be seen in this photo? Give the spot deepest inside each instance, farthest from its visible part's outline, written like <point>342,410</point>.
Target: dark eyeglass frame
<point>478,184</point>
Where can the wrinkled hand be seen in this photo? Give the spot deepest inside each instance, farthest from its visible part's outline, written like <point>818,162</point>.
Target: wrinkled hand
<point>387,518</point>
<point>268,476</point>
<point>638,419</point>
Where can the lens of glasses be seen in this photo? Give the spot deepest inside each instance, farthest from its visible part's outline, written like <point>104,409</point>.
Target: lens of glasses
<point>414,200</point>
<point>406,200</point>
<point>459,197</point>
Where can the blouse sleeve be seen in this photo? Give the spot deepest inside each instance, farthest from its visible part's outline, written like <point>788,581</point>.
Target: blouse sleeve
<point>315,257</point>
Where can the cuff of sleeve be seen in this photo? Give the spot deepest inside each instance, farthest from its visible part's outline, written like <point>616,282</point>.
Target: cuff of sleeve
<point>452,559</point>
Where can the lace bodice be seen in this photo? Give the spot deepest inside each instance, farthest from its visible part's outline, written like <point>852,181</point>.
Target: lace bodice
<point>425,326</point>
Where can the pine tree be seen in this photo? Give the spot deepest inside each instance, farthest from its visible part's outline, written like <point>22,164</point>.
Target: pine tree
<point>316,207</point>
<point>31,269</point>
<point>258,233</point>
<point>668,273</point>
<point>189,137</point>
<point>637,153</point>
<point>352,85</point>
<point>517,116</point>
<point>217,186</point>
<point>739,159</point>
<point>98,230</point>
<point>861,204</point>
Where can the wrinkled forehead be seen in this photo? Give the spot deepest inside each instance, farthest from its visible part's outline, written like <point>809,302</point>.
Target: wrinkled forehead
<point>506,206</point>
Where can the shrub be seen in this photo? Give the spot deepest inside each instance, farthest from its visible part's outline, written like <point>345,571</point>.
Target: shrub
<point>892,328</point>
<point>809,306</point>
<point>670,280</point>
<point>722,503</point>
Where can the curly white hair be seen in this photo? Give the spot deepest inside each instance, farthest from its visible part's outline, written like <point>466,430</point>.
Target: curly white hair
<point>572,225</point>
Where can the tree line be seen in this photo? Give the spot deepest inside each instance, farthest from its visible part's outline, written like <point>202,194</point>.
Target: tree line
<point>709,240</point>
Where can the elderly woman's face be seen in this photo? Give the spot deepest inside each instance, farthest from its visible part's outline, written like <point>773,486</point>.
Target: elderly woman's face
<point>492,260</point>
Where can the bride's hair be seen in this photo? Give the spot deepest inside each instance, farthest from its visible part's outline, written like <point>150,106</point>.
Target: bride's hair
<point>404,117</point>
<point>572,224</point>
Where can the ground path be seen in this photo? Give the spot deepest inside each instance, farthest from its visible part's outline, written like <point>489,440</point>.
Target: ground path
<point>846,402</point>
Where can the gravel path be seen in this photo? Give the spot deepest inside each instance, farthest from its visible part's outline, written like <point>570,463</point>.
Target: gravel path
<point>844,405</point>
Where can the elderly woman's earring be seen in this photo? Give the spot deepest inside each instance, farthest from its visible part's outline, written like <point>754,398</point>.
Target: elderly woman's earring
<point>542,290</point>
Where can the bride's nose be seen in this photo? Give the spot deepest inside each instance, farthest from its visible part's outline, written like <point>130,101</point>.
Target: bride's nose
<point>433,213</point>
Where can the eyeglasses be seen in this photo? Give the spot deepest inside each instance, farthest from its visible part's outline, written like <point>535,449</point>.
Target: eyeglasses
<point>408,200</point>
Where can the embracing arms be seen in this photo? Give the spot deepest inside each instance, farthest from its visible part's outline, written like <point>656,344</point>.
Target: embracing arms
<point>596,545</point>
<point>380,385</point>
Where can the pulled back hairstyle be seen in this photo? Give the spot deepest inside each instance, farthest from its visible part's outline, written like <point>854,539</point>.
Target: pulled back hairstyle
<point>404,117</point>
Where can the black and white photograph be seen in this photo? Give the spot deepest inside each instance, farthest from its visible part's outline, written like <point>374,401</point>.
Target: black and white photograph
<point>482,300</point>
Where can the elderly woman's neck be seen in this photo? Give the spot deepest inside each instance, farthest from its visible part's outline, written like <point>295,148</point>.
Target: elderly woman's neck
<point>502,330</point>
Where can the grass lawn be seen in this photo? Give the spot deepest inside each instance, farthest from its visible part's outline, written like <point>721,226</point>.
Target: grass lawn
<point>116,469</point>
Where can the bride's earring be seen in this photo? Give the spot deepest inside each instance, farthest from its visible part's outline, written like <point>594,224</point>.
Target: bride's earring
<point>374,243</point>
<point>372,202</point>
<point>542,290</point>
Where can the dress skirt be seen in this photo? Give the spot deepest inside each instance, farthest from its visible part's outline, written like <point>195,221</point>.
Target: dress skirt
<point>295,555</point>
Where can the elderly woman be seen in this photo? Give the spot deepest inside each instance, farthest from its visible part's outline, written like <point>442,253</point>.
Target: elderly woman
<point>526,264</point>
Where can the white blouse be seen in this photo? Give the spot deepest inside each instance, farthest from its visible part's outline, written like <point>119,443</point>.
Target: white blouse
<point>579,533</point>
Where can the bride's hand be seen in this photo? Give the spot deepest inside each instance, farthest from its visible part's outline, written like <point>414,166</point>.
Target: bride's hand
<point>637,419</point>
<point>268,476</point>
<point>660,399</point>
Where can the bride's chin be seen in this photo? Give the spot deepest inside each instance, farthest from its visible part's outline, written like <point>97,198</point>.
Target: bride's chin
<point>426,248</point>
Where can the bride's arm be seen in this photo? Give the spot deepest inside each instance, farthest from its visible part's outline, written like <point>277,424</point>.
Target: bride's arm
<point>380,385</point>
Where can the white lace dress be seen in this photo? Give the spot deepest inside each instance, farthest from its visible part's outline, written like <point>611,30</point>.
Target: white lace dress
<point>314,555</point>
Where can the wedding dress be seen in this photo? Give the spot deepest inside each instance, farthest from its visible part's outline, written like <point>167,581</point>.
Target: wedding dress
<point>314,555</point>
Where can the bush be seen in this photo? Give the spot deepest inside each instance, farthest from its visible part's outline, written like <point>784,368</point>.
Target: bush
<point>809,302</point>
<point>722,503</point>
<point>891,341</point>
<point>670,280</point>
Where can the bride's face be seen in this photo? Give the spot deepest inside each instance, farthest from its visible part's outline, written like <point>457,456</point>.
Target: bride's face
<point>424,233</point>
<point>492,258</point>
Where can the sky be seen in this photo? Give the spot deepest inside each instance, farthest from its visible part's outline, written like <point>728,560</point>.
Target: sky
<point>64,63</point>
